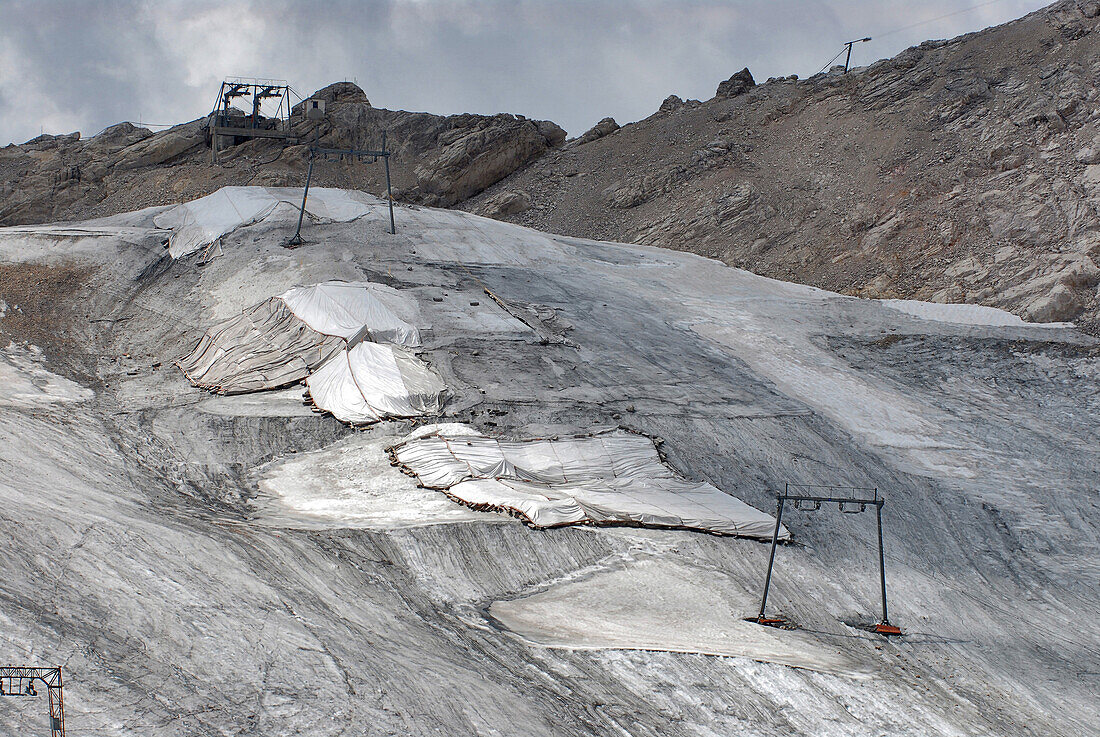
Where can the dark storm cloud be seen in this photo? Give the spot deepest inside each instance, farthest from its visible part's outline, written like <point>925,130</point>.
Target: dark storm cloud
<point>85,65</point>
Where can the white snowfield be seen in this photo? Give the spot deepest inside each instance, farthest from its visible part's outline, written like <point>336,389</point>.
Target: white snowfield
<point>243,565</point>
<point>965,314</point>
<point>611,477</point>
<point>656,602</point>
<point>26,383</point>
<point>197,224</point>
<point>351,485</point>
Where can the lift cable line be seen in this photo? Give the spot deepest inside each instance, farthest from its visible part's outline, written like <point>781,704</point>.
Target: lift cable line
<point>829,63</point>
<point>940,17</point>
<point>847,47</point>
<point>16,680</point>
<point>846,505</point>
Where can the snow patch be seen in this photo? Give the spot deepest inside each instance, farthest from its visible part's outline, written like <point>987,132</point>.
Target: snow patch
<point>35,243</point>
<point>25,382</point>
<point>352,484</point>
<point>964,314</point>
<point>657,604</point>
<point>778,346</point>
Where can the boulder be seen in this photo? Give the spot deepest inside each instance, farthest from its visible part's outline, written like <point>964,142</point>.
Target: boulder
<point>118,136</point>
<point>599,130</point>
<point>1058,305</point>
<point>671,103</point>
<point>1089,155</point>
<point>631,193</point>
<point>551,131</point>
<point>505,203</point>
<point>738,84</point>
<point>161,147</point>
<point>472,158</point>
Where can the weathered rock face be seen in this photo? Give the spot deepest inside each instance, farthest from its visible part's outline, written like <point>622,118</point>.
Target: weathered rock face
<point>505,203</point>
<point>475,153</point>
<point>671,103</point>
<point>436,160</point>
<point>599,130</point>
<point>964,170</point>
<point>738,84</point>
<point>160,148</point>
<point>118,136</point>
<point>338,92</point>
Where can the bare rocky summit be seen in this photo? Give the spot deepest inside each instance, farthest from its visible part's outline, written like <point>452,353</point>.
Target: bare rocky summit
<point>438,160</point>
<point>959,171</point>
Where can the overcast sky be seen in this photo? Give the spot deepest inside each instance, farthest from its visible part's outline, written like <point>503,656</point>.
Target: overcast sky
<point>69,65</point>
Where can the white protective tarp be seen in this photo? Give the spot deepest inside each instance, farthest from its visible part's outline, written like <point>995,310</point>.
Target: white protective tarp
<point>354,310</point>
<point>372,381</point>
<point>199,223</point>
<point>613,477</point>
<point>283,339</point>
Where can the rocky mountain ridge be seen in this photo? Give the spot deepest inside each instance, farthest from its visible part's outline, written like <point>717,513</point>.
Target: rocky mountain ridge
<point>437,160</point>
<point>958,171</point>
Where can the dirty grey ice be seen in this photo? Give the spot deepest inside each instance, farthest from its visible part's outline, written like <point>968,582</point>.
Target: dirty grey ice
<point>242,564</point>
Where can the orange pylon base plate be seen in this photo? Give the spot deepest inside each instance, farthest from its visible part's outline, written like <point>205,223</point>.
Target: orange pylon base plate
<point>887,629</point>
<point>779,622</point>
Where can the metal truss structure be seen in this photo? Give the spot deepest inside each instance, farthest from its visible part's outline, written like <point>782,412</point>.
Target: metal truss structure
<point>18,680</point>
<point>226,121</point>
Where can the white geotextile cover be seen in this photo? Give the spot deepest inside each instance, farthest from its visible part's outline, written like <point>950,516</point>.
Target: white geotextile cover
<point>199,223</point>
<point>371,381</point>
<point>346,308</point>
<point>614,477</point>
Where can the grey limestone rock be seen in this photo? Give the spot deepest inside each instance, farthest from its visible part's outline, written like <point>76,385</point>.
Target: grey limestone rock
<point>505,203</point>
<point>605,127</point>
<point>738,84</point>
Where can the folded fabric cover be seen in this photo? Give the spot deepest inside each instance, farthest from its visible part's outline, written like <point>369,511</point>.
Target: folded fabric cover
<point>199,223</point>
<point>280,341</point>
<point>347,308</point>
<point>264,347</point>
<point>372,381</point>
<point>613,477</point>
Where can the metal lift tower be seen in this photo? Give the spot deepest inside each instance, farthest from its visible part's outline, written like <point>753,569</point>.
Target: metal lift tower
<point>811,502</point>
<point>16,680</point>
<point>252,123</point>
<point>315,110</point>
